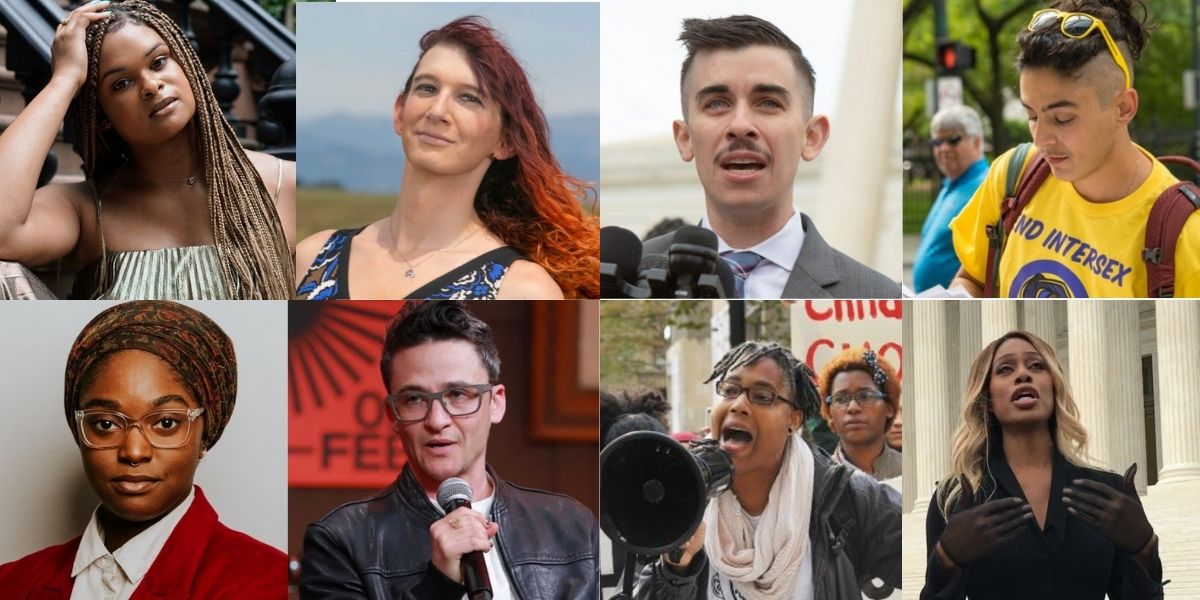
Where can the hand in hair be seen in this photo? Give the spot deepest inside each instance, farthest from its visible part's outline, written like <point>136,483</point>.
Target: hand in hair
<point>973,532</point>
<point>68,55</point>
<point>1119,516</point>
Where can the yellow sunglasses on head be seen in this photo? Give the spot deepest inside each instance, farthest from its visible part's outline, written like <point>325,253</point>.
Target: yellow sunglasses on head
<point>1078,26</point>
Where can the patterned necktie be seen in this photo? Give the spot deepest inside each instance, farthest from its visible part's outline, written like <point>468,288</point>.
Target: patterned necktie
<point>742,263</point>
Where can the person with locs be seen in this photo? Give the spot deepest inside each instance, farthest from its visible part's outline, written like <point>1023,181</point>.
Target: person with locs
<point>794,523</point>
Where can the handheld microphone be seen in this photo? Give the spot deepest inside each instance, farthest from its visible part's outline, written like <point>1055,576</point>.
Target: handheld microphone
<point>620,250</point>
<point>654,276</point>
<point>455,493</point>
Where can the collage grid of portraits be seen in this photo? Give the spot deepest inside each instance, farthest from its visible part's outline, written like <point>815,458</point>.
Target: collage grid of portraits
<point>816,301</point>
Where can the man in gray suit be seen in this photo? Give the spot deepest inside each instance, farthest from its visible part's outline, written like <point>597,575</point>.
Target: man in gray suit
<point>747,97</point>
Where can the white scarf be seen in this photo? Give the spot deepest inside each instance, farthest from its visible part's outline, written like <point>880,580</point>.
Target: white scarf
<point>764,561</point>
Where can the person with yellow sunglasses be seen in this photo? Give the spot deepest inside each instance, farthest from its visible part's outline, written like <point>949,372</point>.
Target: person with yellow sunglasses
<point>1084,231</point>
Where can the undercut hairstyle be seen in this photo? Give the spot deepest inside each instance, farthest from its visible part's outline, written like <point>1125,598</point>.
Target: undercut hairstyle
<point>527,200</point>
<point>798,377</point>
<point>256,262</point>
<point>436,321</point>
<point>735,33</point>
<point>1126,20</point>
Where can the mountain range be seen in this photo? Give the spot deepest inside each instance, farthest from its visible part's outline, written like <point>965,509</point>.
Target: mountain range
<point>361,153</point>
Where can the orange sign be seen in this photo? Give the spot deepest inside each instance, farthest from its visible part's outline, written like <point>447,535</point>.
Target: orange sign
<point>338,433</point>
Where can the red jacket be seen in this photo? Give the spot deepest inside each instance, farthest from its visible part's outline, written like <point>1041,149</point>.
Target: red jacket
<point>201,559</point>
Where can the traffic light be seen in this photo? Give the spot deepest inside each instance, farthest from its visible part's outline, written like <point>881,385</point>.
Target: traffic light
<point>954,57</point>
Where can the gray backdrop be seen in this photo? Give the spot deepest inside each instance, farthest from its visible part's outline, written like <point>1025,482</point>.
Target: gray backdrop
<point>46,498</point>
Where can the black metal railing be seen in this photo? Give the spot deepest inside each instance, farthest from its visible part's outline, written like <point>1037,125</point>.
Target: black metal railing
<point>31,25</point>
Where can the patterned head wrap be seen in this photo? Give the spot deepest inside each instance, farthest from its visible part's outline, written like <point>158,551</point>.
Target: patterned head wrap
<point>190,342</point>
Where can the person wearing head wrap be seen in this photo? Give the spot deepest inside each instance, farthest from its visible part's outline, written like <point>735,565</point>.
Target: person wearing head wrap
<point>149,389</point>
<point>860,397</point>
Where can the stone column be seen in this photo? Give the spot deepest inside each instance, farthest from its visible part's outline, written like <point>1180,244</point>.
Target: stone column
<point>1041,319</point>
<point>934,349</point>
<point>1178,329</point>
<point>998,318</point>
<point>970,342</point>
<point>911,443</point>
<point>1106,375</point>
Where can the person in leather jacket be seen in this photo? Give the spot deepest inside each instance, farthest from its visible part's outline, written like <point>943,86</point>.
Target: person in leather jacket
<point>399,543</point>
<point>794,524</point>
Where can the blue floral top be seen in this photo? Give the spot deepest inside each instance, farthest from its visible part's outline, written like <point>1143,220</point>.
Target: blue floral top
<point>476,279</point>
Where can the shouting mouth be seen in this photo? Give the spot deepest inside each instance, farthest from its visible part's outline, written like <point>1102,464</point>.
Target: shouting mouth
<point>735,439</point>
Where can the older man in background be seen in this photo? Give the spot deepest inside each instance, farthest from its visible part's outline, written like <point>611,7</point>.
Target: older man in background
<point>958,150</point>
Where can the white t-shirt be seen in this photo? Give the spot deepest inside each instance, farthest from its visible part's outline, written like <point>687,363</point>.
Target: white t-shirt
<point>720,587</point>
<point>497,576</point>
<point>101,575</point>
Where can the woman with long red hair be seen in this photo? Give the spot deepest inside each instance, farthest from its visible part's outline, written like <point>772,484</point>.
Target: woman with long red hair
<point>484,209</point>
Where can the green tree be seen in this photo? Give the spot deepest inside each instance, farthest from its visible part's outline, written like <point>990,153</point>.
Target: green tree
<point>991,27</point>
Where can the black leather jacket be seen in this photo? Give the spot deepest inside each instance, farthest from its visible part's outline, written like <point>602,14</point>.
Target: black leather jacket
<point>854,536</point>
<point>379,547</point>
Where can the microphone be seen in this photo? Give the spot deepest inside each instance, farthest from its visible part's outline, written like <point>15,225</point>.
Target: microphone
<point>693,253</point>
<point>620,250</point>
<point>654,275</point>
<point>455,493</point>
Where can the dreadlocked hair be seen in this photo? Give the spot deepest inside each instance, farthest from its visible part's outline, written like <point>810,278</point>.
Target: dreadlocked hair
<point>799,377</point>
<point>255,259</point>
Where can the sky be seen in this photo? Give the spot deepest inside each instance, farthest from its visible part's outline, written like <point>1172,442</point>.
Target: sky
<point>641,55</point>
<point>354,58</point>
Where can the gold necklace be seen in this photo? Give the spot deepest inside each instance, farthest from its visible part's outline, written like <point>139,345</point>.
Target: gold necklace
<point>412,268</point>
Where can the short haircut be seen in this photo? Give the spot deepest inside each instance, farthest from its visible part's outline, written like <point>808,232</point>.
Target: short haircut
<point>436,321</point>
<point>735,33</point>
<point>957,118</point>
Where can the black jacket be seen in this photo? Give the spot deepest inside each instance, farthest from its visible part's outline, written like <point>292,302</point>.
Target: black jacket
<point>1067,560</point>
<point>854,536</point>
<point>379,547</point>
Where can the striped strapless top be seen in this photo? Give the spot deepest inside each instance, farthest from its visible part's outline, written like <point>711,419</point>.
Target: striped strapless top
<point>186,273</point>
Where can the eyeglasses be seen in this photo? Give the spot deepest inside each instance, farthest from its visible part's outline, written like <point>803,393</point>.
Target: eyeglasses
<point>952,141</point>
<point>1078,26</point>
<point>863,397</point>
<point>410,406</point>
<point>762,396</point>
<point>103,429</point>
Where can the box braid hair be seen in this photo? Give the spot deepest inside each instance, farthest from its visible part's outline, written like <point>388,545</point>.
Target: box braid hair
<point>798,376</point>
<point>255,259</point>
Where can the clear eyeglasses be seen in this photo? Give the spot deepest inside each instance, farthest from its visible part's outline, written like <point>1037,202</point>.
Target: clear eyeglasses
<point>410,406</point>
<point>863,397</point>
<point>103,429</point>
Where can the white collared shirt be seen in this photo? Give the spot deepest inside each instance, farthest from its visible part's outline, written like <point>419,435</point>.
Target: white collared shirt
<point>780,252</point>
<point>103,575</point>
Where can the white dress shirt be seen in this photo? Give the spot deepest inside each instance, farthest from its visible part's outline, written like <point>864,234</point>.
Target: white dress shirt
<point>103,575</point>
<point>779,252</point>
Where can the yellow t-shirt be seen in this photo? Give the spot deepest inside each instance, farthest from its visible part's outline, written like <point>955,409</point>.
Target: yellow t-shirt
<point>1063,246</point>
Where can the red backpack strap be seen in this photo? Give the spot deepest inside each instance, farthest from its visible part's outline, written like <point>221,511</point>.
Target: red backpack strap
<point>1015,200</point>
<point>1167,218</point>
